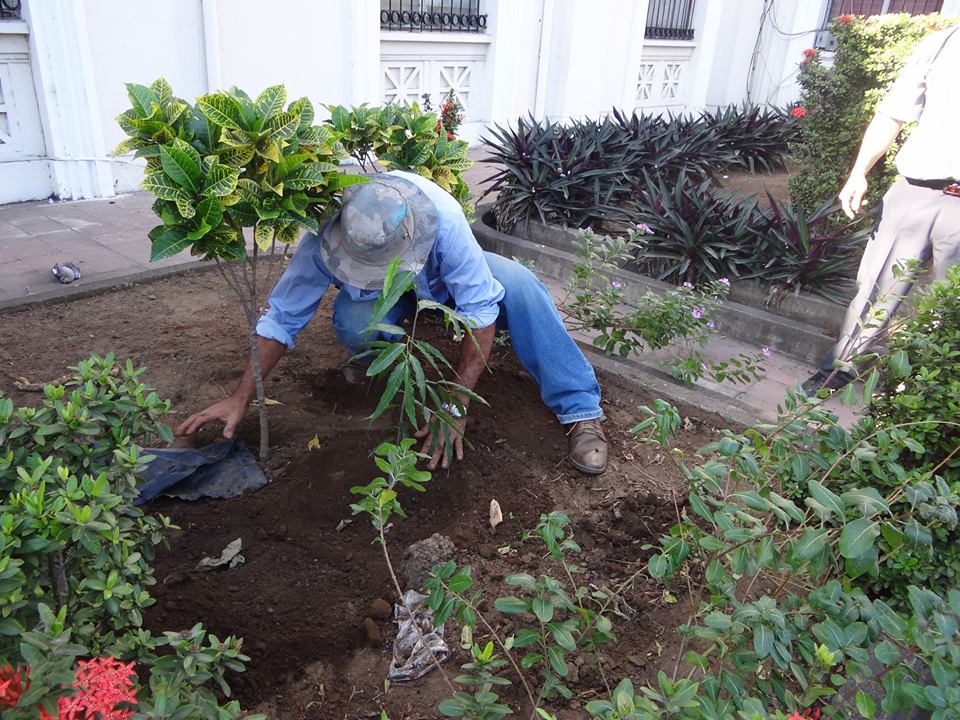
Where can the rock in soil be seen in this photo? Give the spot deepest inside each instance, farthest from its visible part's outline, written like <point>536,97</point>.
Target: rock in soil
<point>380,609</point>
<point>419,558</point>
<point>372,631</point>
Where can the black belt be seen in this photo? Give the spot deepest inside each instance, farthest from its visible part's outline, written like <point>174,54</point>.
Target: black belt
<point>932,184</point>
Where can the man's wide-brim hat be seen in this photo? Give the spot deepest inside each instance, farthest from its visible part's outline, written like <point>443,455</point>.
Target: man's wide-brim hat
<point>388,217</point>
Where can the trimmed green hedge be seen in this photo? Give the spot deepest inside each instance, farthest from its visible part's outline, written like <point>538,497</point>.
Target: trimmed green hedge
<point>839,100</point>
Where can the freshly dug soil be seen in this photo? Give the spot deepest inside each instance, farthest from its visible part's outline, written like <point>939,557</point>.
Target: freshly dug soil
<point>312,599</point>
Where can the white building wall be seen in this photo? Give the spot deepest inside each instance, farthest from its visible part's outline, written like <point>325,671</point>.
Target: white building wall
<point>126,46</point>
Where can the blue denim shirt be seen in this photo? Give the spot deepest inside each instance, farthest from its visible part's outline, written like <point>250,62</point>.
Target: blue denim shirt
<point>456,272</point>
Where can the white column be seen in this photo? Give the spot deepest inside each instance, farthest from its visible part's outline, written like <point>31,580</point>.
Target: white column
<point>364,52</point>
<point>951,8</point>
<point>211,45</point>
<point>63,74</point>
<point>707,25</point>
<point>638,31</point>
<point>511,66</point>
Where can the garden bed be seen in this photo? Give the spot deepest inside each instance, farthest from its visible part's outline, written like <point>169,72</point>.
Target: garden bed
<point>803,327</point>
<point>302,598</point>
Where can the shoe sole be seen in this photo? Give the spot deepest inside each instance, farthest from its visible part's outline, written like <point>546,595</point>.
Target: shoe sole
<point>586,470</point>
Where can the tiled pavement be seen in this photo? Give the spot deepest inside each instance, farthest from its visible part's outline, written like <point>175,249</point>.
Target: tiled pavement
<point>108,240</point>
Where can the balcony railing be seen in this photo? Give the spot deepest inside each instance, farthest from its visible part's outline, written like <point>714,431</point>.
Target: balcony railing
<point>670,20</point>
<point>9,9</point>
<point>879,7</point>
<point>432,15</point>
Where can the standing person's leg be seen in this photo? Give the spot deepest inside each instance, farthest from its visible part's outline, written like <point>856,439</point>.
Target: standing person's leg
<point>946,236</point>
<point>568,385</point>
<point>903,234</point>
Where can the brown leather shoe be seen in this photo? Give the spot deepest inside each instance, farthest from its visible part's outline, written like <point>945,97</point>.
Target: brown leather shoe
<point>588,447</point>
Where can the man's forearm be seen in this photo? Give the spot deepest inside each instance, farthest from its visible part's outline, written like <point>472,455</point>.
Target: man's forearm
<point>270,352</point>
<point>473,356</point>
<point>880,134</point>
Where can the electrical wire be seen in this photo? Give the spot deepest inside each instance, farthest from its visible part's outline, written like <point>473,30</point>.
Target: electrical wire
<point>751,72</point>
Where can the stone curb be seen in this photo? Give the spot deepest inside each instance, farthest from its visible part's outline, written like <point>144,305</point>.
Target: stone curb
<point>794,339</point>
<point>805,307</point>
<point>633,376</point>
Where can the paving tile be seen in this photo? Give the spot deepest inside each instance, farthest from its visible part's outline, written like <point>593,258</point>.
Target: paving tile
<point>39,226</point>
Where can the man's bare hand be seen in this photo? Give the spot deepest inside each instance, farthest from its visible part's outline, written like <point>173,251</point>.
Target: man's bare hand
<point>230,412</point>
<point>436,447</point>
<point>851,196</point>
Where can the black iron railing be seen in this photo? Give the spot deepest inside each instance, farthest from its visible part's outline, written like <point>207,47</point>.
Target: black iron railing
<point>432,15</point>
<point>670,20</point>
<point>9,9</point>
<point>878,7</point>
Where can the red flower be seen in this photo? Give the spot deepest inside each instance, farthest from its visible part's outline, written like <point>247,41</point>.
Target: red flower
<point>13,681</point>
<point>845,19</point>
<point>450,135</point>
<point>809,52</point>
<point>100,685</point>
<point>798,112</point>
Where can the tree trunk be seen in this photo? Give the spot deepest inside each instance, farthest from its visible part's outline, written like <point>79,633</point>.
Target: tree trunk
<point>261,394</point>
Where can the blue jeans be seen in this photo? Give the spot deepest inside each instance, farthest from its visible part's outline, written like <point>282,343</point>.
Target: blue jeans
<point>568,385</point>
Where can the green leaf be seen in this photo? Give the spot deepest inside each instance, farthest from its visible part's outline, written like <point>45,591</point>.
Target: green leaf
<point>899,364</point>
<point>168,243</point>
<point>282,127</point>
<point>222,110</point>
<point>162,186</point>
<point>866,705</point>
<point>890,622</point>
<point>143,99</point>
<point>543,609</point>
<point>452,707</point>
<point>209,213</point>
<point>270,102</point>
<point>563,637</point>
<point>887,653</point>
<point>762,640</point>
<point>180,167</point>
<point>221,181</point>
<point>828,499</point>
<point>857,537</point>
<point>510,605</point>
<point>811,543</point>
<point>658,566</point>
<point>557,662</point>
<point>460,583</point>
<point>385,359</point>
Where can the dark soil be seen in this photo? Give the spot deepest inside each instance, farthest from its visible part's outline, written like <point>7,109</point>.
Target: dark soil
<point>758,184</point>
<point>303,600</point>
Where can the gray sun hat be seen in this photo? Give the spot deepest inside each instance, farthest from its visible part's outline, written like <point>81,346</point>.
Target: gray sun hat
<point>385,218</point>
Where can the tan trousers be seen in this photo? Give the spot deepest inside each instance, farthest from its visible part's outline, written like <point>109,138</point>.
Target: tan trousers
<point>915,224</point>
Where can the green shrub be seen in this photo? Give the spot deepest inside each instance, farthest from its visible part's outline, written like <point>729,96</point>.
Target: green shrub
<point>918,387</point>
<point>75,552</point>
<point>839,100</point>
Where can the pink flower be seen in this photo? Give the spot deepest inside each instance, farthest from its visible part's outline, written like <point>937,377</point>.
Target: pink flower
<point>688,285</point>
<point>809,52</point>
<point>799,112</point>
<point>617,285</point>
<point>724,281</point>
<point>767,352</point>
<point>697,313</point>
<point>712,325</point>
<point>845,19</point>
<point>644,228</point>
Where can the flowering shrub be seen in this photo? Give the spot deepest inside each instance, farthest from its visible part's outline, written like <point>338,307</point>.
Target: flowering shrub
<point>75,558</point>
<point>839,100</point>
<point>451,115</point>
<point>103,689</point>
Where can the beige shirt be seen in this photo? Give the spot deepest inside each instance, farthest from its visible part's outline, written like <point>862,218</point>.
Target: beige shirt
<point>928,92</point>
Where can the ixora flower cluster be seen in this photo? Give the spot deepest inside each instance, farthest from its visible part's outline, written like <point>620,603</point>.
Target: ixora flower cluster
<point>451,115</point>
<point>101,686</point>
